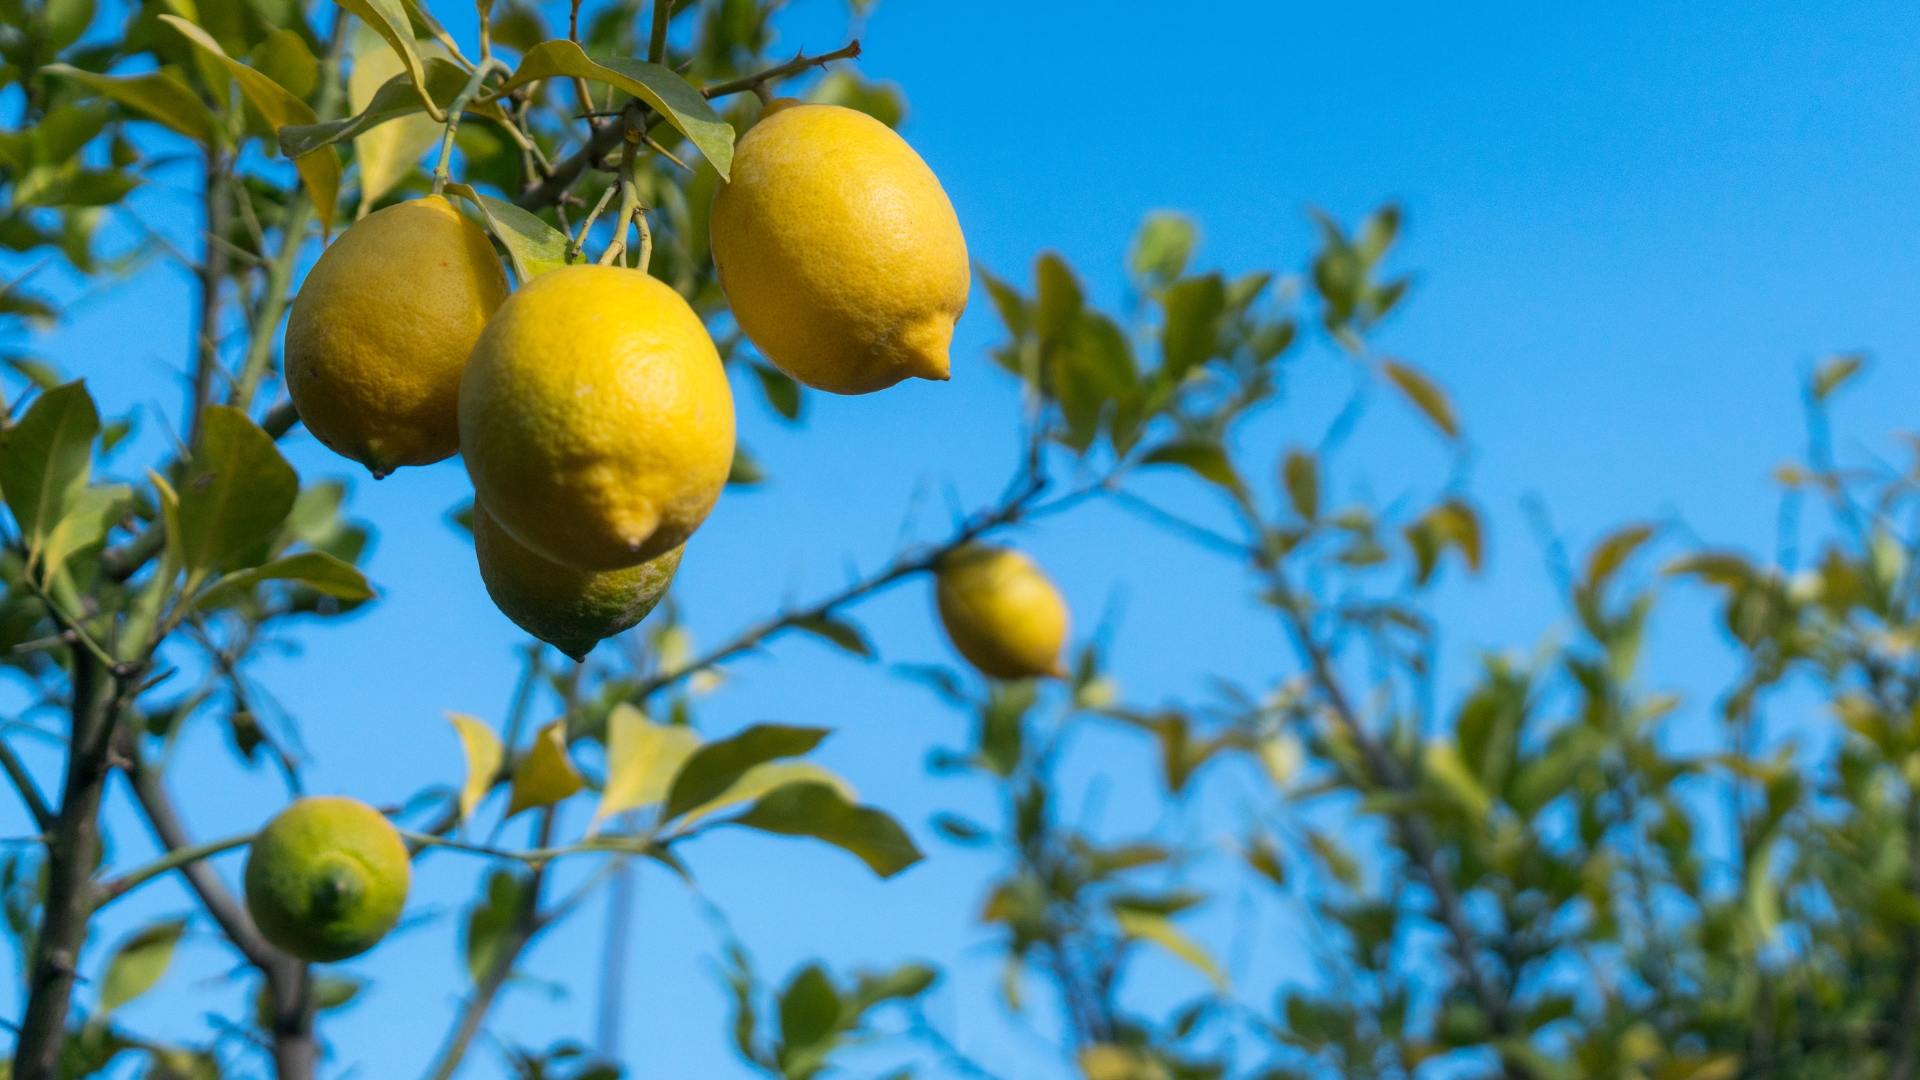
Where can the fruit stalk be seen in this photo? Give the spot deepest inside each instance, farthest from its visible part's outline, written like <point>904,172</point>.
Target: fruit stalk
<point>72,851</point>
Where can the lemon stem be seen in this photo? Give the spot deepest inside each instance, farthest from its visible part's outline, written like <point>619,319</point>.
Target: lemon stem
<point>630,209</point>
<point>580,241</point>
<point>174,860</point>
<point>453,119</point>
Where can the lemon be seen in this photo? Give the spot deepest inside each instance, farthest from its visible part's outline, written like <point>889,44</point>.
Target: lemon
<point>380,332</point>
<point>1001,612</point>
<point>595,418</point>
<point>326,879</point>
<point>572,610</point>
<point>838,250</point>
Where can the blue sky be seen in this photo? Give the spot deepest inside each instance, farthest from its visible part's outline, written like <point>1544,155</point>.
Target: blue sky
<point>1633,229</point>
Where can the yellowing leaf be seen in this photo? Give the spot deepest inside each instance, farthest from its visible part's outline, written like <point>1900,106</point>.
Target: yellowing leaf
<point>387,153</point>
<point>547,774</point>
<point>320,169</point>
<point>642,759</point>
<point>1425,394</point>
<point>1161,931</point>
<point>484,754</point>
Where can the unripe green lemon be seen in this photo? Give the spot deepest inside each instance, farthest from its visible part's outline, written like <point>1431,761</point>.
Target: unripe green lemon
<point>595,418</point>
<point>1001,612</point>
<point>379,334</point>
<point>572,610</point>
<point>326,879</point>
<point>838,250</point>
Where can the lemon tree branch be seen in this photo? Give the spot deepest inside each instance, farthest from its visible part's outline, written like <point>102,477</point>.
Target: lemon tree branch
<point>113,890</point>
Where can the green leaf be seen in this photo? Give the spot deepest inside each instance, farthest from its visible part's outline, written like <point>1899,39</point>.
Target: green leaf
<point>1162,246</point>
<point>819,811</point>
<point>1205,460</point>
<point>139,963</point>
<point>534,246</point>
<point>491,919</point>
<point>782,392</point>
<point>840,632</point>
<point>668,93</point>
<point>1834,373</point>
<point>1450,524</point>
<point>395,99</point>
<point>315,569</point>
<point>1613,552</point>
<point>770,776</point>
<point>66,20</point>
<point>1425,395</point>
<point>1060,298</point>
<point>745,470</point>
<point>809,1011</point>
<point>642,759</point>
<point>388,153</point>
<point>1008,302</point>
<point>714,767</point>
<point>86,523</point>
<point>238,489</point>
<point>157,95</point>
<point>1192,334</point>
<point>320,170</point>
<point>44,460</point>
<point>1301,474</point>
<point>881,100</point>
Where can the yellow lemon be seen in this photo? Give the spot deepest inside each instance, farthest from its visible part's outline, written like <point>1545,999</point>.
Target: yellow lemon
<point>595,418</point>
<point>572,610</point>
<point>1001,612</point>
<point>380,332</point>
<point>326,879</point>
<point>838,250</point>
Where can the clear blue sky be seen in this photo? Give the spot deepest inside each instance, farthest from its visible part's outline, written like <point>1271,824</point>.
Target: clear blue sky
<point>1633,229</point>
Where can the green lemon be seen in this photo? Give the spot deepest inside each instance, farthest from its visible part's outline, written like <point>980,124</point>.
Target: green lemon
<point>326,879</point>
<point>570,609</point>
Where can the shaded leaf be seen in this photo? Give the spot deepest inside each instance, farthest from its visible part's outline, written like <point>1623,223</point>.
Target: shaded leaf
<point>317,570</point>
<point>45,458</point>
<point>713,768</point>
<point>782,392</point>
<point>1192,332</point>
<point>1301,475</point>
<point>156,95</point>
<point>819,811</point>
<point>139,963</point>
<point>658,86</point>
<point>840,632</point>
<point>238,489</point>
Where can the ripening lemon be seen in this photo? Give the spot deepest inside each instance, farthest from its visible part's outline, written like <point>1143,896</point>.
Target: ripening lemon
<point>326,879</point>
<point>838,250</point>
<point>379,333</point>
<point>572,610</point>
<point>1002,613</point>
<point>595,418</point>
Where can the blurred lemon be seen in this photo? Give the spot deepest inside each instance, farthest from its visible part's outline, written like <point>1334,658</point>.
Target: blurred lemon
<point>595,418</point>
<point>379,333</point>
<point>326,879</point>
<point>838,250</point>
<point>572,610</point>
<point>1001,612</point>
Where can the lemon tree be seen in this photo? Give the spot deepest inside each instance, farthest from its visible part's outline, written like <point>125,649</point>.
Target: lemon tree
<point>556,254</point>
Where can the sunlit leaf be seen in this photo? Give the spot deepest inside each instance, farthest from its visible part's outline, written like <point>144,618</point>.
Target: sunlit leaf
<point>156,96</point>
<point>1161,931</point>
<point>534,246</point>
<point>769,776</point>
<point>642,759</point>
<point>317,570</point>
<point>320,169</point>
<point>547,774</point>
<point>484,755</point>
<point>1834,373</point>
<point>1162,246</point>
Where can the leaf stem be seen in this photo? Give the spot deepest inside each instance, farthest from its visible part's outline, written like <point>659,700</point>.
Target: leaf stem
<point>454,110</point>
